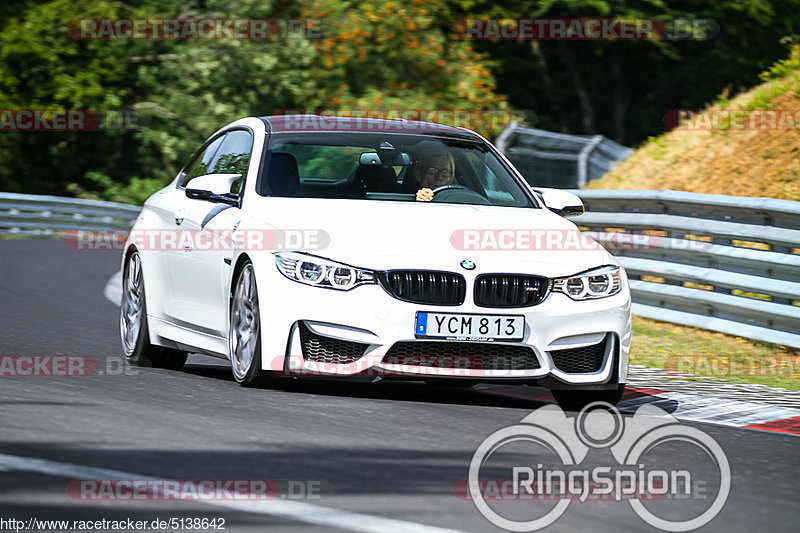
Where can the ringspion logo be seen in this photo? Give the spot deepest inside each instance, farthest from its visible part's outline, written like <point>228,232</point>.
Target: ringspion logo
<point>557,447</point>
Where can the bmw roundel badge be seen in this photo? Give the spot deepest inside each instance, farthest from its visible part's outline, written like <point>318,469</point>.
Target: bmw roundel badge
<point>467,264</point>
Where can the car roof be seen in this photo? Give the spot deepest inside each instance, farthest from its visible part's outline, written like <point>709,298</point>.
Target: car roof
<point>306,123</point>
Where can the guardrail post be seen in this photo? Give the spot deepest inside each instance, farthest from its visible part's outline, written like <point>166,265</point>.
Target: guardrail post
<point>583,160</point>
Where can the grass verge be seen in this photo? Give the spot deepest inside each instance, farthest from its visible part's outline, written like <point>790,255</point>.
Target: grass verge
<point>705,353</point>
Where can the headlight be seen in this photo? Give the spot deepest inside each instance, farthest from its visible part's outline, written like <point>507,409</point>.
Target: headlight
<point>597,283</point>
<point>320,272</point>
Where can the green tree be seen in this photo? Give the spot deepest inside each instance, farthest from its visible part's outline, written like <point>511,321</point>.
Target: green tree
<point>181,91</point>
<point>623,89</point>
<point>395,55</point>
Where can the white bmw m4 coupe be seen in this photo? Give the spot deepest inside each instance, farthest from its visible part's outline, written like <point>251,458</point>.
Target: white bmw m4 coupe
<point>302,245</point>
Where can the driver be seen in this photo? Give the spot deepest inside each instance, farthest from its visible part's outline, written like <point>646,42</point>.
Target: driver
<point>432,169</point>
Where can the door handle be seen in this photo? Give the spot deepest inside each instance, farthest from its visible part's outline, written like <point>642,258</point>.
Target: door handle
<point>180,214</point>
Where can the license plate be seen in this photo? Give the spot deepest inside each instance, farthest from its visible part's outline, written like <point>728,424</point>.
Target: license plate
<point>459,326</point>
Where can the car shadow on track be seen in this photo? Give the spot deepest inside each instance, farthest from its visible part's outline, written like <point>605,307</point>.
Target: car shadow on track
<point>520,397</point>
<point>491,395</point>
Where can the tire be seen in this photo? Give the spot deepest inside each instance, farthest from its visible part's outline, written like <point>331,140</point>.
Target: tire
<point>244,336</point>
<point>575,400</point>
<point>133,329</point>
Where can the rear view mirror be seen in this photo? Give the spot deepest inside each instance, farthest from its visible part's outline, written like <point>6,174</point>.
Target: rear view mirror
<point>369,158</point>
<point>397,159</point>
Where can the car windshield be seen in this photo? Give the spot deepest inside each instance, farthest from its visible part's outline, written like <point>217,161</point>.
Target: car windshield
<point>389,167</point>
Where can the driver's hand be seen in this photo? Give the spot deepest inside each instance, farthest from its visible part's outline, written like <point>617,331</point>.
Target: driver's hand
<point>424,195</point>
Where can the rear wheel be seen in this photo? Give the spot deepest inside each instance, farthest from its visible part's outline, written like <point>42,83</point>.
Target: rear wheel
<point>133,323</point>
<point>245,331</point>
<point>575,400</point>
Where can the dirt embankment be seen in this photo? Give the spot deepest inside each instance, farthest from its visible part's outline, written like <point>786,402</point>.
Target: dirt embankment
<point>731,148</point>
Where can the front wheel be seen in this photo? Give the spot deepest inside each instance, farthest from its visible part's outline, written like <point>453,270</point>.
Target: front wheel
<point>575,400</point>
<point>244,339</point>
<point>133,324</point>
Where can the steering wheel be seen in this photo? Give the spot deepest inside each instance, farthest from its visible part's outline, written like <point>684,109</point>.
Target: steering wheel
<point>448,187</point>
<point>457,194</point>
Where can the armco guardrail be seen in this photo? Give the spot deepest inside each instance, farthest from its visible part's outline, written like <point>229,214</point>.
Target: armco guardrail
<point>723,263</point>
<point>550,159</point>
<point>33,214</point>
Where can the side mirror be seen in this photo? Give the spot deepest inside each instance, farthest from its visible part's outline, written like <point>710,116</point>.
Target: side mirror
<point>213,187</point>
<point>560,202</point>
<point>214,183</point>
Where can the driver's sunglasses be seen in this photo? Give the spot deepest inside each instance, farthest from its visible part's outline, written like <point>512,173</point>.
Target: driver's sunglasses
<point>433,171</point>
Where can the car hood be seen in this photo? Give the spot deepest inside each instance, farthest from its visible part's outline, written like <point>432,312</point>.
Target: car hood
<point>384,235</point>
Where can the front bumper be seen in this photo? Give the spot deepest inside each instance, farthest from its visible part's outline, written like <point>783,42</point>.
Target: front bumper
<point>557,331</point>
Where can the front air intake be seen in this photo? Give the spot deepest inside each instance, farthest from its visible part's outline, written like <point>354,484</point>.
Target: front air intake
<point>472,355</point>
<point>584,360</point>
<point>321,349</point>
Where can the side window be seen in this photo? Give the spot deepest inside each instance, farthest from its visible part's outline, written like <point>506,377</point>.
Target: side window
<point>202,162</point>
<point>233,157</point>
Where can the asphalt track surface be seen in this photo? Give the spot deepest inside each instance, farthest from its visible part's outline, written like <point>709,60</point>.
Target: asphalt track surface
<point>377,451</point>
